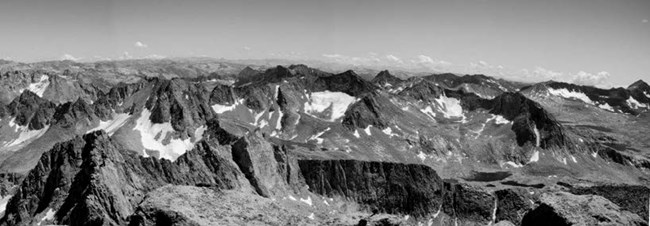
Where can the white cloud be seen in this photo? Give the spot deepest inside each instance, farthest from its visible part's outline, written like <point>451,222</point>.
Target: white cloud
<point>140,45</point>
<point>69,57</point>
<point>424,59</point>
<point>644,21</point>
<point>483,63</point>
<point>546,74</point>
<point>246,48</point>
<point>599,79</point>
<point>394,58</point>
<point>155,56</point>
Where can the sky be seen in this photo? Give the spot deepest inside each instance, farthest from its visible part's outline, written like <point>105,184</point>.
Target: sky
<point>592,42</point>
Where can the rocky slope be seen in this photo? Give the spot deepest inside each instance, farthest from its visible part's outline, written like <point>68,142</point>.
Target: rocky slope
<point>117,142</point>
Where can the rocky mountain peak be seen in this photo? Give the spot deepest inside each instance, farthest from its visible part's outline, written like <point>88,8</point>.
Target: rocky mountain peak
<point>31,110</point>
<point>348,82</point>
<point>384,78</point>
<point>639,85</point>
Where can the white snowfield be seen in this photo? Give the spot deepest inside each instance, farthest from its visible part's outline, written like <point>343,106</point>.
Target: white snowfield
<point>570,94</point>
<point>39,87</point>
<point>449,107</point>
<point>24,134</point>
<point>152,136</point>
<point>112,125</point>
<point>319,101</point>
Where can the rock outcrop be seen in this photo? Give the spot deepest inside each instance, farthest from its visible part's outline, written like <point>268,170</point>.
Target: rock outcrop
<point>561,208</point>
<point>387,187</point>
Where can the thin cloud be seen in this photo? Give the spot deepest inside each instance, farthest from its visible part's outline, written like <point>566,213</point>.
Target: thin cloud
<point>644,21</point>
<point>140,45</point>
<point>394,58</point>
<point>246,48</point>
<point>126,56</point>
<point>69,57</point>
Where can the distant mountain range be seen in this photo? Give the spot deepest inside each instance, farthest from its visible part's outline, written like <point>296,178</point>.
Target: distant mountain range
<point>213,142</point>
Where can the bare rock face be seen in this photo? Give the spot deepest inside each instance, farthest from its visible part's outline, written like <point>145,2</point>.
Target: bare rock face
<point>387,187</point>
<point>179,102</point>
<point>371,110</point>
<point>467,202</point>
<point>512,205</point>
<point>255,157</point>
<point>528,116</point>
<point>561,208</point>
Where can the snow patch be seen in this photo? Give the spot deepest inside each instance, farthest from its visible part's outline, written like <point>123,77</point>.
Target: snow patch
<point>570,94</point>
<point>367,130</point>
<point>356,133</point>
<point>317,138</point>
<point>292,198</point>
<point>112,125</point>
<point>311,216</point>
<point>513,164</point>
<point>450,107</point>
<point>494,213</point>
<point>573,158</point>
<point>606,106</point>
<point>538,137</point>
<point>39,87</point>
<point>49,215</point>
<point>428,111</point>
<point>3,204</point>
<point>422,156</point>
<point>501,120</point>
<point>153,134</point>
<point>534,157</point>
<point>220,109</point>
<point>278,124</point>
<point>633,103</point>
<point>307,200</point>
<point>338,101</point>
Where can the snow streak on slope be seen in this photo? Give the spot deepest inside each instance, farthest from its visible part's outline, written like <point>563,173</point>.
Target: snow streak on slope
<point>633,103</point>
<point>606,106</point>
<point>39,87</point>
<point>112,125</point>
<point>450,107</point>
<point>152,137</point>
<point>24,134</point>
<point>320,101</point>
<point>570,94</point>
<point>538,137</point>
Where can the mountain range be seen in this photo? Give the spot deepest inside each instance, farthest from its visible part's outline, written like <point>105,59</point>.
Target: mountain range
<point>211,142</point>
